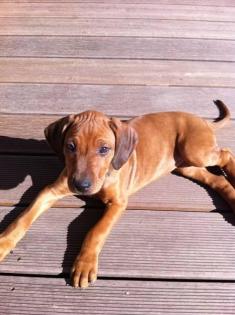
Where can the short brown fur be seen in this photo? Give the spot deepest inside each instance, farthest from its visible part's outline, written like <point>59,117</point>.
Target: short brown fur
<point>111,159</point>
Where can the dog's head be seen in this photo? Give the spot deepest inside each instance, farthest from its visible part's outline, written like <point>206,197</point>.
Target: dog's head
<point>91,144</point>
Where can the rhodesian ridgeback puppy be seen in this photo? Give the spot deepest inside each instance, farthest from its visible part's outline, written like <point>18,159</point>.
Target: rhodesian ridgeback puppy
<point>112,159</point>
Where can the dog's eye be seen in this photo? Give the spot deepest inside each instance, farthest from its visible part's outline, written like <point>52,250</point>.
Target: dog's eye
<point>71,146</point>
<point>103,150</point>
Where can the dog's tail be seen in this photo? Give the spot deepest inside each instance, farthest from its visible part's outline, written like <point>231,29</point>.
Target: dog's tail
<point>224,116</point>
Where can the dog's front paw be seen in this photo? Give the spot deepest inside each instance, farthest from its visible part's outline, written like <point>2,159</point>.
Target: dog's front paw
<point>5,247</point>
<point>84,270</point>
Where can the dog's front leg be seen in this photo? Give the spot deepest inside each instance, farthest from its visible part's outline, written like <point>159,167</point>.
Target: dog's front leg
<point>86,264</point>
<point>45,199</point>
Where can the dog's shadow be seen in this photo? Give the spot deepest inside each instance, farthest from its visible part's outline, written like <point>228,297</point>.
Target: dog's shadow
<point>15,166</point>
<point>220,205</point>
<point>44,168</point>
<point>77,231</point>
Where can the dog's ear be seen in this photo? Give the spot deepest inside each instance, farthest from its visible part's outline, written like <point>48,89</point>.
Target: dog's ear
<point>126,140</point>
<point>55,134</point>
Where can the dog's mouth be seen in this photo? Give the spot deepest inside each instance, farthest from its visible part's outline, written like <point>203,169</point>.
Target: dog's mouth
<point>88,192</point>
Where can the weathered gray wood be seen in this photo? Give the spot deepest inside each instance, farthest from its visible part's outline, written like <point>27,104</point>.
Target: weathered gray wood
<point>52,296</point>
<point>117,27</point>
<point>143,244</point>
<point>22,177</point>
<point>117,47</point>
<point>113,100</point>
<point>120,10</point>
<point>221,3</point>
<point>115,71</point>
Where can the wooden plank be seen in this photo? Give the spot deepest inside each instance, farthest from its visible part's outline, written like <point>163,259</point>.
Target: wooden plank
<point>117,27</point>
<point>120,10</point>
<point>22,177</point>
<point>113,100</point>
<point>117,47</point>
<point>143,244</point>
<point>114,71</point>
<point>21,295</point>
<point>221,3</point>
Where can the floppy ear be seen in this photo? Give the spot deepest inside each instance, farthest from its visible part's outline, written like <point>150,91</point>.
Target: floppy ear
<point>126,140</point>
<point>55,134</point>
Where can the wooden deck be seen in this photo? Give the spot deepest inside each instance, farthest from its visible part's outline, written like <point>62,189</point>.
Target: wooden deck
<point>125,58</point>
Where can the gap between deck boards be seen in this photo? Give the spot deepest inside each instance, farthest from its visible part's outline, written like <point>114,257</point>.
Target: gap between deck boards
<point>107,278</point>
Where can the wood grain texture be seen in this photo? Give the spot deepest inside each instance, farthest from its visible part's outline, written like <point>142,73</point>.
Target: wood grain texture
<point>117,47</point>
<point>143,244</point>
<point>114,297</point>
<point>221,3</point>
<point>113,100</point>
<point>117,27</point>
<point>119,10</point>
<point>22,177</point>
<point>100,71</point>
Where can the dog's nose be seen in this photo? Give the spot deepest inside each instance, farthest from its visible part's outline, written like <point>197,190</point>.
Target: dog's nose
<point>82,185</point>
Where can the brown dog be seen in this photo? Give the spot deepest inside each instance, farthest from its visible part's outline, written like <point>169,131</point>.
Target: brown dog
<point>112,159</point>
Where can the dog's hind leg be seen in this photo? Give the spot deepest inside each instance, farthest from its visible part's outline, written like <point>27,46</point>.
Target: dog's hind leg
<point>226,161</point>
<point>218,182</point>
